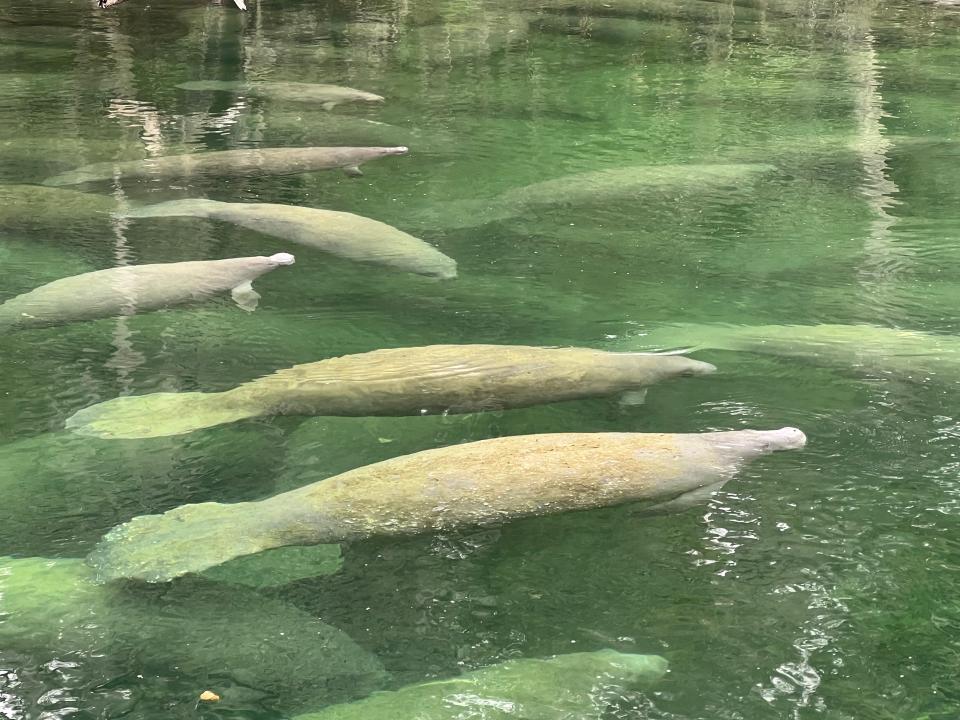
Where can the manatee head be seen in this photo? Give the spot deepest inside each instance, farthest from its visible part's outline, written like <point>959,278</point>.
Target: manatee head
<point>624,669</point>
<point>786,438</point>
<point>282,259</point>
<point>751,443</point>
<point>667,366</point>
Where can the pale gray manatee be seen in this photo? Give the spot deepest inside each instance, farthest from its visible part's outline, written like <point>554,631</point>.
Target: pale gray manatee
<point>691,10</point>
<point>339,233</point>
<point>600,186</point>
<point>128,645</point>
<point>130,289</point>
<point>905,353</point>
<point>575,685</point>
<point>111,3</point>
<point>329,96</point>
<point>253,162</point>
<point>396,381</point>
<point>445,489</point>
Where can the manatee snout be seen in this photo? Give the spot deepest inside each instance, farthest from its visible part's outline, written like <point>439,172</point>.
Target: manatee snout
<point>282,259</point>
<point>786,438</point>
<point>698,367</point>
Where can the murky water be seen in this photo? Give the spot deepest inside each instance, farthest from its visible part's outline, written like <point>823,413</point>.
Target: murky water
<point>819,583</point>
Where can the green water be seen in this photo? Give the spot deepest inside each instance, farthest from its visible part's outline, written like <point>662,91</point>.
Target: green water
<point>819,584</point>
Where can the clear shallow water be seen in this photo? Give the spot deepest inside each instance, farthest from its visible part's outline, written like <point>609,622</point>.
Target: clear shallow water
<point>818,584</point>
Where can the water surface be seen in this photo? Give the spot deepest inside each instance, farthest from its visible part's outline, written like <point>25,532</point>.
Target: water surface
<point>819,584</point>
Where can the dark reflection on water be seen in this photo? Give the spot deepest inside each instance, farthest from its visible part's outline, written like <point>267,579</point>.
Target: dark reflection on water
<point>818,584</point>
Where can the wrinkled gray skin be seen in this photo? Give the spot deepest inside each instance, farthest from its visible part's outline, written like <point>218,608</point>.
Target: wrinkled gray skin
<point>136,288</point>
<point>449,488</point>
<point>396,381</point>
<point>231,163</point>
<point>327,95</point>
<point>339,233</point>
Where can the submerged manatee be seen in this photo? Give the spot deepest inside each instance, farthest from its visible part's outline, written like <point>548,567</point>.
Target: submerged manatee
<point>170,641</point>
<point>615,184</point>
<point>474,484</point>
<point>905,353</point>
<point>327,95</point>
<point>339,233</point>
<point>575,685</point>
<point>231,163</point>
<point>397,381</point>
<point>35,206</point>
<point>134,288</point>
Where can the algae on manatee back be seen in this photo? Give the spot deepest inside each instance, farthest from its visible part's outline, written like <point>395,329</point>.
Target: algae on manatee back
<point>575,685</point>
<point>450,488</point>
<point>395,381</point>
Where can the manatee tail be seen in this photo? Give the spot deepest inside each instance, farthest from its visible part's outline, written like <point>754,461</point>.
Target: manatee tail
<point>187,539</point>
<point>193,207</point>
<point>155,415</point>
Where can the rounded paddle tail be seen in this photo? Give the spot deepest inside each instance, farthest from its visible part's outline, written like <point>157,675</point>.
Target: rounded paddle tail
<point>187,539</point>
<point>155,415</point>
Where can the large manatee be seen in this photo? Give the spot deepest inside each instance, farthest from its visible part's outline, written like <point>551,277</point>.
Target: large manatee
<point>252,162</point>
<point>473,484</point>
<point>130,289</point>
<point>905,353</point>
<point>339,233</point>
<point>396,381</point>
<point>600,186</point>
<point>123,646</point>
<point>327,95</point>
<point>575,685</point>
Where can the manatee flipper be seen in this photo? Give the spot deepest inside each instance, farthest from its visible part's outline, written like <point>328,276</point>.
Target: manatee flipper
<point>633,397</point>
<point>691,499</point>
<point>328,106</point>
<point>155,415</point>
<point>245,296</point>
<point>187,539</point>
<point>353,171</point>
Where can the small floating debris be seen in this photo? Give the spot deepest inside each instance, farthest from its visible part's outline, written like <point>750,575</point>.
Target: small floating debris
<point>209,696</point>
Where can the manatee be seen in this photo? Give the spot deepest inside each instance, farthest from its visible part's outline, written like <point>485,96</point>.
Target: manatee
<point>444,489</point>
<point>600,186</point>
<point>111,3</point>
<point>339,233</point>
<point>906,353</point>
<point>130,289</point>
<point>396,381</point>
<point>575,685</point>
<point>327,95</point>
<point>254,162</point>
<point>35,206</point>
<point>700,10</point>
<point>170,642</point>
